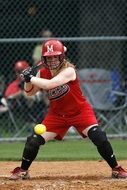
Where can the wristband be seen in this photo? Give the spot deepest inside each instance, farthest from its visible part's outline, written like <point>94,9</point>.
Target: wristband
<point>27,91</point>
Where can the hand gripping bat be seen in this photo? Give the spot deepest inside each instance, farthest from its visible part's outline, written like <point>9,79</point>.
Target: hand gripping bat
<point>35,67</point>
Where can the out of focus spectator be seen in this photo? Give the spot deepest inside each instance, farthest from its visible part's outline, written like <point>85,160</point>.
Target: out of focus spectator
<point>15,88</point>
<point>15,99</point>
<point>14,92</point>
<point>45,33</point>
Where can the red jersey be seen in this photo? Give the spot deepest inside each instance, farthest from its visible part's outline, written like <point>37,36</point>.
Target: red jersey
<point>12,88</point>
<point>67,99</point>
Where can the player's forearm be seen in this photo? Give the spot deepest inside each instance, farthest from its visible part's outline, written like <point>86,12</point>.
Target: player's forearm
<point>29,89</point>
<point>47,84</point>
<point>42,83</point>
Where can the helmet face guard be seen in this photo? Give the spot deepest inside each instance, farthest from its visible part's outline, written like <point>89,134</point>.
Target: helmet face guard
<point>53,48</point>
<point>52,65</point>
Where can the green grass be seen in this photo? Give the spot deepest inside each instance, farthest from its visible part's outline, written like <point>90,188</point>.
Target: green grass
<point>63,150</point>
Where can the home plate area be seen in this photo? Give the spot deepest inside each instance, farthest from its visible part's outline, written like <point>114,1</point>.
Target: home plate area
<point>67,175</point>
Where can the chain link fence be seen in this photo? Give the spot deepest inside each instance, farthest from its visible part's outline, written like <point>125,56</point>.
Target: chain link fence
<point>94,33</point>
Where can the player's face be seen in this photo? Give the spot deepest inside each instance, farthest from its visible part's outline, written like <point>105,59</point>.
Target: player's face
<point>53,62</point>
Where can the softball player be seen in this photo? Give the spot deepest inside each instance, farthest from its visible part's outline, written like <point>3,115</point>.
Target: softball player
<point>68,107</point>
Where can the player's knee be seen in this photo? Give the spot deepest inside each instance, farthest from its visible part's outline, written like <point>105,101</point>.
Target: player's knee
<point>32,146</point>
<point>35,141</point>
<point>97,136</point>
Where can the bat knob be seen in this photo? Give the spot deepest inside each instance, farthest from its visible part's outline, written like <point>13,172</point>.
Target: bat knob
<point>22,76</point>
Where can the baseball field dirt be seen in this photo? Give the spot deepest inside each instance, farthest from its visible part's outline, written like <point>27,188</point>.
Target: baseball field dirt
<point>70,175</point>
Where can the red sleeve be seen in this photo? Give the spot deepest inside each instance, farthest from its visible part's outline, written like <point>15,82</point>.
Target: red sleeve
<point>12,88</point>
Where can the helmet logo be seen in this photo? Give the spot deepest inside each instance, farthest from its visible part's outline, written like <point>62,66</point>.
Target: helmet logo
<point>49,48</point>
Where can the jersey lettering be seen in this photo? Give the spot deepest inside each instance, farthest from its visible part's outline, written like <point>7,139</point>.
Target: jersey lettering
<point>58,92</point>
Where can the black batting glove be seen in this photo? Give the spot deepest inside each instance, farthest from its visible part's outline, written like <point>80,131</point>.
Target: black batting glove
<point>28,74</point>
<point>33,71</point>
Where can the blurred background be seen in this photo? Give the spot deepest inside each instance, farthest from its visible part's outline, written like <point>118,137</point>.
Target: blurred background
<point>95,34</point>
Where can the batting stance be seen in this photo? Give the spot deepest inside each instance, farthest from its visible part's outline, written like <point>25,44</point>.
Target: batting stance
<point>68,107</point>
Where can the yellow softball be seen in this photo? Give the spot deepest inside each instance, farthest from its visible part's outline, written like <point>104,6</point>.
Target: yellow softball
<point>39,129</point>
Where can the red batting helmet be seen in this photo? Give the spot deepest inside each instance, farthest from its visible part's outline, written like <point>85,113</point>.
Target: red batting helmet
<point>21,65</point>
<point>51,48</point>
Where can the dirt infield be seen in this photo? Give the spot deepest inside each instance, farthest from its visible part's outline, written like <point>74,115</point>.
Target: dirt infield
<point>78,175</point>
